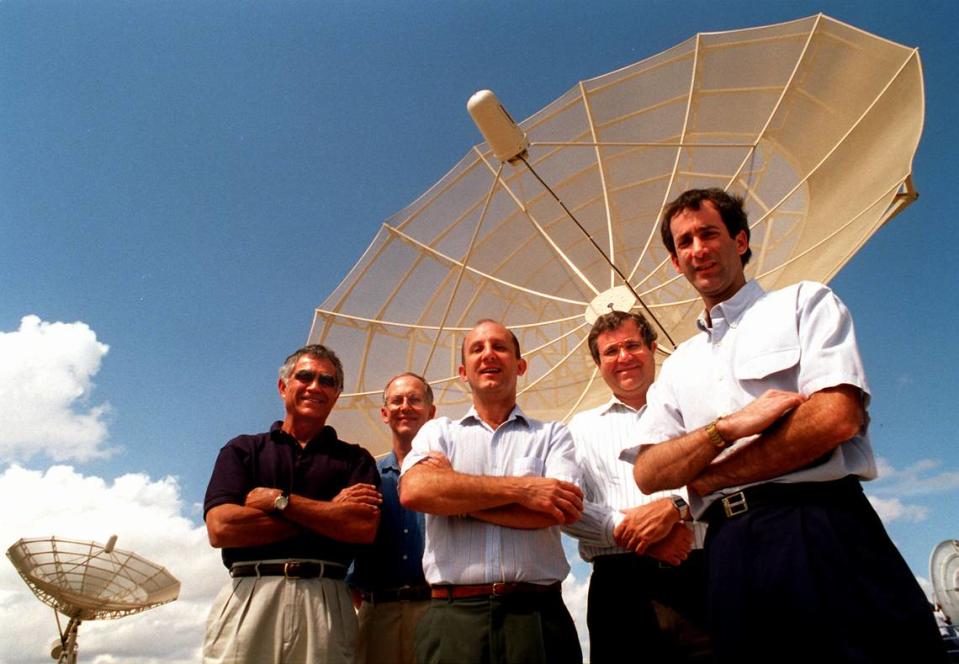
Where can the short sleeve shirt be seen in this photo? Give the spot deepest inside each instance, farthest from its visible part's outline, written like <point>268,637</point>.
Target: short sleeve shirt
<point>799,338</point>
<point>274,459</point>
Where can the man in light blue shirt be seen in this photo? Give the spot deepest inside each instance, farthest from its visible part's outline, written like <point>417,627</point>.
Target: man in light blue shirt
<point>496,486</point>
<point>763,416</point>
<point>387,578</point>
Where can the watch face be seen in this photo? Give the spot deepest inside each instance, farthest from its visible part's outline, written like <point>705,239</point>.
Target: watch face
<point>280,503</point>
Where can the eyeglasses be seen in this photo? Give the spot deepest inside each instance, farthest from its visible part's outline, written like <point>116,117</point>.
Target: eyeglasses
<point>307,378</point>
<point>630,346</point>
<point>397,401</point>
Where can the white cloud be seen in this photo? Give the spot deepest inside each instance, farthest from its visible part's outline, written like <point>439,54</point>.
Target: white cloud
<point>148,518</point>
<point>924,477</point>
<point>893,509</point>
<point>45,384</point>
<point>576,591</point>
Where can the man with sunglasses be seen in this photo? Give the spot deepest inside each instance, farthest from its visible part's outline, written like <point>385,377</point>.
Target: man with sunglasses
<point>387,579</point>
<point>289,508</point>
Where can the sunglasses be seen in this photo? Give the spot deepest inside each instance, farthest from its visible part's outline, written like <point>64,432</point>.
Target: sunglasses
<point>307,378</point>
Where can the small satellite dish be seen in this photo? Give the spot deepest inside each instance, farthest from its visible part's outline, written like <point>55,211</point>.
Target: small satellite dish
<point>944,572</point>
<point>89,581</point>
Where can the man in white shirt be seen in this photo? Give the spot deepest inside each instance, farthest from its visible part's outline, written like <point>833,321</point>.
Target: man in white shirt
<point>763,416</point>
<point>637,544</point>
<point>495,486</point>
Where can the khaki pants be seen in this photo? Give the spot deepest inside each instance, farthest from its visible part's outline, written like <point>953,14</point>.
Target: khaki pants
<point>387,630</point>
<point>280,620</point>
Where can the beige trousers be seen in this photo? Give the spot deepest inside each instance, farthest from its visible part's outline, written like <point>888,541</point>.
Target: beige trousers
<point>284,621</point>
<point>387,630</point>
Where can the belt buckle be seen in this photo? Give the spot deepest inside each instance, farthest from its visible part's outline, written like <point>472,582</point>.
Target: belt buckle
<point>287,566</point>
<point>500,588</point>
<point>735,504</point>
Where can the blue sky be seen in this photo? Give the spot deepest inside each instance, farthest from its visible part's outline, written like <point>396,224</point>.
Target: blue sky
<point>189,180</point>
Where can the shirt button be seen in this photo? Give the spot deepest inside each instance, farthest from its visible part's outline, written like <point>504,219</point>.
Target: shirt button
<point>404,556</point>
<point>406,530</point>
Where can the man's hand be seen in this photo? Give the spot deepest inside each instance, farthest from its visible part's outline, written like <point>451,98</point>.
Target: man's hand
<point>646,524</point>
<point>759,414</point>
<point>561,500</point>
<point>262,498</point>
<point>364,494</point>
<point>674,548</point>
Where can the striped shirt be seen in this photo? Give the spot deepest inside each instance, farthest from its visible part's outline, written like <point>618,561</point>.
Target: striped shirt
<point>466,551</point>
<point>600,434</point>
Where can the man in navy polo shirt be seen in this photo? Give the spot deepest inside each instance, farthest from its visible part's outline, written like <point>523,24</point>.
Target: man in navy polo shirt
<point>388,578</point>
<point>288,508</point>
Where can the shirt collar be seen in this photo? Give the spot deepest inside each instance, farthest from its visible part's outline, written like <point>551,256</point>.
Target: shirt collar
<point>614,403</point>
<point>278,435</point>
<point>728,313</point>
<point>389,462</point>
<point>515,414</point>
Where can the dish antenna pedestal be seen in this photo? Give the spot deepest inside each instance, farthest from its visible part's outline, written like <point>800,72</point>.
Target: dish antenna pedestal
<point>89,581</point>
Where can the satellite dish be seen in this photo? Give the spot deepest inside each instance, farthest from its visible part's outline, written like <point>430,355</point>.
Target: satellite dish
<point>89,581</point>
<point>944,571</point>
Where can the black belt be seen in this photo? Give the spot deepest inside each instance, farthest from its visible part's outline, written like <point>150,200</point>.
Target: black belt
<point>778,493</point>
<point>404,594</point>
<point>493,590</point>
<point>291,570</point>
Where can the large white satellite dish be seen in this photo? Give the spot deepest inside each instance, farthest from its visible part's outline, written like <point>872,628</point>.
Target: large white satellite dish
<point>89,581</point>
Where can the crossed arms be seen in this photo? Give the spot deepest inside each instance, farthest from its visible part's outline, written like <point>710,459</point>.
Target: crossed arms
<point>433,486</point>
<point>792,431</point>
<point>352,516</point>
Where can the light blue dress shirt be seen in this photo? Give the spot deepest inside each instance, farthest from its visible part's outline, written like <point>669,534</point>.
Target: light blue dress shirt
<point>469,551</point>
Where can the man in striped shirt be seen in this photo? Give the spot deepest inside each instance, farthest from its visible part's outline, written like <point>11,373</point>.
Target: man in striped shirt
<point>496,486</point>
<point>639,545</point>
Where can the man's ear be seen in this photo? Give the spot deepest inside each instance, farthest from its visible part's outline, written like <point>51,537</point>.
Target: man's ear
<point>742,243</point>
<point>520,367</point>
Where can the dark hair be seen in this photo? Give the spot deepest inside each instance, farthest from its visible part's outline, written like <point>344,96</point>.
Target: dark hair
<point>496,322</point>
<point>318,351</point>
<point>730,209</point>
<point>429,390</point>
<point>615,320</point>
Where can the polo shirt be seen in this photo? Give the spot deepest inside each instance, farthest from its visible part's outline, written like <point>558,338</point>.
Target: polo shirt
<point>319,470</point>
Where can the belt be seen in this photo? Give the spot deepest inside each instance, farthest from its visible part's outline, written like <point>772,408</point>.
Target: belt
<point>291,570</point>
<point>404,594</point>
<point>778,493</point>
<point>493,590</point>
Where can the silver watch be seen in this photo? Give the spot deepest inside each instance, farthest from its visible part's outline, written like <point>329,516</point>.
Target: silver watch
<point>280,502</point>
<point>682,506</point>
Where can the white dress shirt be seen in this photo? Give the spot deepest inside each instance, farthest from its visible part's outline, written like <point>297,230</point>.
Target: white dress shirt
<point>599,435</point>
<point>468,551</point>
<point>799,338</point>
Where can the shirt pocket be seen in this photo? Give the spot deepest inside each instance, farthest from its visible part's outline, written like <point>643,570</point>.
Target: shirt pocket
<point>528,467</point>
<point>765,350</point>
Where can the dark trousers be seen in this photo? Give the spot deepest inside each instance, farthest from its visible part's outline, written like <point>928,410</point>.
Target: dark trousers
<point>814,577</point>
<point>534,628</point>
<point>622,618</point>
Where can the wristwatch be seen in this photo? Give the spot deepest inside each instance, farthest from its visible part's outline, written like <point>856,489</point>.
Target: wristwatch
<point>715,437</point>
<point>682,506</point>
<point>280,502</point>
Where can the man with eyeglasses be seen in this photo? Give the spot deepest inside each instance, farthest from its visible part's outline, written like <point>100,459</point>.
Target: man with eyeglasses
<point>639,545</point>
<point>495,486</point>
<point>289,508</point>
<point>387,579</point>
